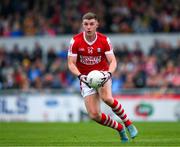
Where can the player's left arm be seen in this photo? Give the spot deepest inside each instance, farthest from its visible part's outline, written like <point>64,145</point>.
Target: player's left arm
<point>112,67</point>
<point>112,62</point>
<point>110,56</point>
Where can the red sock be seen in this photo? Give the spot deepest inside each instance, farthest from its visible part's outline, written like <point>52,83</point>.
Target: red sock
<point>117,108</point>
<point>106,120</point>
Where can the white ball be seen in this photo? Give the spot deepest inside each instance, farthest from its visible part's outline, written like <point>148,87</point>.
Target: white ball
<point>95,78</point>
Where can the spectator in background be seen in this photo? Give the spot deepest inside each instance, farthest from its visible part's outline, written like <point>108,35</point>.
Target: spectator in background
<point>20,79</point>
<point>29,25</point>
<point>175,80</point>
<point>37,52</point>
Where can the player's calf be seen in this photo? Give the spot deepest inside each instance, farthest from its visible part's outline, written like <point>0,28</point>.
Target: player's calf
<point>106,120</point>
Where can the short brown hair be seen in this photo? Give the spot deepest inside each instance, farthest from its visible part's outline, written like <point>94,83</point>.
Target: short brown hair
<point>90,15</point>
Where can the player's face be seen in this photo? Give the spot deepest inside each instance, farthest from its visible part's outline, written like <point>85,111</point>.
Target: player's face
<point>90,26</point>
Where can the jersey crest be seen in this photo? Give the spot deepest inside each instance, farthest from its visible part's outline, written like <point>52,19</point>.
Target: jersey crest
<point>90,50</point>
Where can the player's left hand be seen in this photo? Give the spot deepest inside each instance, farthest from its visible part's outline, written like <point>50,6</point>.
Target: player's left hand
<point>107,76</point>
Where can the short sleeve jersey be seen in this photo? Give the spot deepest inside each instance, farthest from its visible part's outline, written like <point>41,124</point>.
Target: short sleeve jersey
<point>90,55</point>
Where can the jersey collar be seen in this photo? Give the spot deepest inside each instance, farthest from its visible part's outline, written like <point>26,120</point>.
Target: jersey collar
<point>90,43</point>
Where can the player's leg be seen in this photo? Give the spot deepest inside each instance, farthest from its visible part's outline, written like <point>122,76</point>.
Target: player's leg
<point>118,109</point>
<point>92,103</point>
<point>106,95</point>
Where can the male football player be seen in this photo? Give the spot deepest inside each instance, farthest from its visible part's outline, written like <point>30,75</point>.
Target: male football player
<point>91,50</point>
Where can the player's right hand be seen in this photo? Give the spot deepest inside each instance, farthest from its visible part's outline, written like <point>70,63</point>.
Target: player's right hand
<point>107,76</point>
<point>83,78</point>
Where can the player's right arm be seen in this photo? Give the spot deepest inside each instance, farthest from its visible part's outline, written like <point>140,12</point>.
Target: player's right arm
<point>73,68</point>
<point>72,65</point>
<point>72,58</point>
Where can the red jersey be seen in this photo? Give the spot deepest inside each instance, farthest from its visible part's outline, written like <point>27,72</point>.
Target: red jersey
<point>90,55</point>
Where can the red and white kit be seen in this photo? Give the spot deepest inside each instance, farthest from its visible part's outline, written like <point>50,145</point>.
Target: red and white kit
<point>90,55</point>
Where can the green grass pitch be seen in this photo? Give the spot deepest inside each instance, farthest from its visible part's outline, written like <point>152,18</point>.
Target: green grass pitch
<point>86,134</point>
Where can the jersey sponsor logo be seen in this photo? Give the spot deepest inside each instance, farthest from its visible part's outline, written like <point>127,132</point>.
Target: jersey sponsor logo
<point>90,60</point>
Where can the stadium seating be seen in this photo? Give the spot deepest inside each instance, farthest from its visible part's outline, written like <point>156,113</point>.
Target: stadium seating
<point>56,17</point>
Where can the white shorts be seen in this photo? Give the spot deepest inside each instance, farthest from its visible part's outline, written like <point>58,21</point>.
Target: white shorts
<point>86,91</point>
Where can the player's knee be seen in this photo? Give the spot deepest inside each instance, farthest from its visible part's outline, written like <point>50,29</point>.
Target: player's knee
<point>108,101</point>
<point>107,98</point>
<point>95,116</point>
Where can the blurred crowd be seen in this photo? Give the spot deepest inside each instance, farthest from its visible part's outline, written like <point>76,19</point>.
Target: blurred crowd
<point>159,68</point>
<point>56,17</point>
<point>25,69</point>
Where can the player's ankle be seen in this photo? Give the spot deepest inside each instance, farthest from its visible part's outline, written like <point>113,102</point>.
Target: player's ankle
<point>128,123</point>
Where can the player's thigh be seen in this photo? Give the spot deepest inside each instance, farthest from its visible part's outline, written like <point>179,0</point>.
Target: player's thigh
<point>92,103</point>
<point>105,93</point>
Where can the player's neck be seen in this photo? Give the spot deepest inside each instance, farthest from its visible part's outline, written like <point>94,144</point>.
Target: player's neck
<point>90,38</point>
